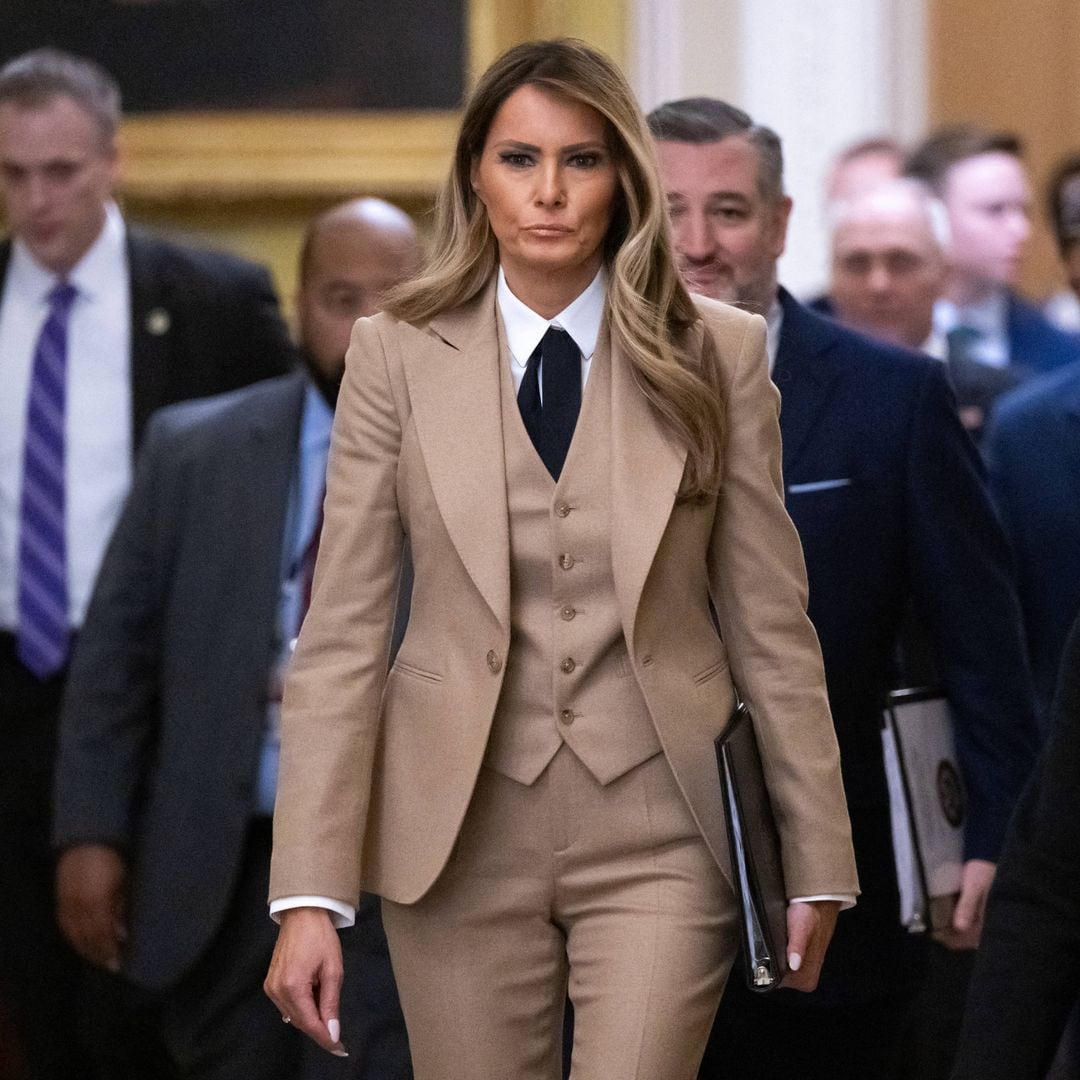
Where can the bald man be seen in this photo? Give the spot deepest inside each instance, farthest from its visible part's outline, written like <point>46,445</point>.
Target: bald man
<point>889,269</point>
<point>888,263</point>
<point>169,742</point>
<point>861,166</point>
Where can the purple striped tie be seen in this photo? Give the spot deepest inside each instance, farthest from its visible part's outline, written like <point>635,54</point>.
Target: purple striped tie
<point>43,588</point>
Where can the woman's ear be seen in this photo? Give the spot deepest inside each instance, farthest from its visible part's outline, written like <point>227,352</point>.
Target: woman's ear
<point>474,178</point>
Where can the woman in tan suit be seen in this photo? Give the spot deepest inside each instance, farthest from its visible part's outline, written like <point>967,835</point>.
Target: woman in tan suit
<point>579,457</point>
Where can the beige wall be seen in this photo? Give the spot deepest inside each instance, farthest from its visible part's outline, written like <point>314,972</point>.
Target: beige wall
<point>1017,66</point>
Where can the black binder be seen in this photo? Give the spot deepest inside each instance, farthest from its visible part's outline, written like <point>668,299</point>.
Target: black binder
<point>757,870</point>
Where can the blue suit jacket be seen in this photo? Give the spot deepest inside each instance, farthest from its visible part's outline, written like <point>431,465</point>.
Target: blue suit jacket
<point>1034,341</point>
<point>1033,453</point>
<point>888,495</point>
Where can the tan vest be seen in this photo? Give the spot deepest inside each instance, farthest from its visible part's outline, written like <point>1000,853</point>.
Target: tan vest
<point>568,676</point>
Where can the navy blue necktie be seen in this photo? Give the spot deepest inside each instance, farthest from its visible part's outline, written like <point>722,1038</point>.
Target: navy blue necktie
<point>43,634</point>
<point>550,420</point>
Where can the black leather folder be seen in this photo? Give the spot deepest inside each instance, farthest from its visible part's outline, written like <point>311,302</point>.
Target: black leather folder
<point>756,868</point>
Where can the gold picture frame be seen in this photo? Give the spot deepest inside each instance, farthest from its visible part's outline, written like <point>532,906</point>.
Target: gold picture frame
<point>192,157</point>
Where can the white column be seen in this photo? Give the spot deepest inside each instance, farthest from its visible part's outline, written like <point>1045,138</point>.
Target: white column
<point>822,73</point>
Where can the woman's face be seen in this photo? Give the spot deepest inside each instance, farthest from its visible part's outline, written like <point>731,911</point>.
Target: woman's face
<point>548,181</point>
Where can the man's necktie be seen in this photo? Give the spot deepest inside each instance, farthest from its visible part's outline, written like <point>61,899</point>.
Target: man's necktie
<point>43,635</point>
<point>550,421</point>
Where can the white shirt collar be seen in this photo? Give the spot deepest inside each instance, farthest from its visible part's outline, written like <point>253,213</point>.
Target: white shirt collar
<point>987,316</point>
<point>100,263</point>
<point>580,319</point>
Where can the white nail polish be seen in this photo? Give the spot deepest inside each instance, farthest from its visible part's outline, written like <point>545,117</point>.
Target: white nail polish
<point>334,1027</point>
<point>340,1053</point>
<point>794,961</point>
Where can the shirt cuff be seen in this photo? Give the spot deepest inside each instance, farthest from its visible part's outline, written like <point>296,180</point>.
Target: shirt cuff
<point>341,915</point>
<point>846,899</point>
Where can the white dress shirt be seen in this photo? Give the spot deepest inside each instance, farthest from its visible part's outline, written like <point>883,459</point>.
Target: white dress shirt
<point>989,317</point>
<point>524,328</point>
<point>97,427</point>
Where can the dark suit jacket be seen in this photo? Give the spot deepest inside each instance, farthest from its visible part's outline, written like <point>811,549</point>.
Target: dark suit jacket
<point>1033,454</point>
<point>164,711</point>
<point>165,705</point>
<point>1027,969</point>
<point>202,322</point>
<point>887,494</point>
<point>1035,342</point>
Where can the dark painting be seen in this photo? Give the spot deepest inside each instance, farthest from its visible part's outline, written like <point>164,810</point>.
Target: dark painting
<point>257,54</point>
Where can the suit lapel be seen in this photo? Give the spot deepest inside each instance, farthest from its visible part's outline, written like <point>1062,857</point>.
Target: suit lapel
<point>805,383</point>
<point>646,471</point>
<point>258,487</point>
<point>1070,407</point>
<point>151,331</point>
<point>452,369</point>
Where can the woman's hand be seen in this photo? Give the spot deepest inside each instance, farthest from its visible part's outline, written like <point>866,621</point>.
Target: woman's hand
<point>810,929</point>
<point>304,980</point>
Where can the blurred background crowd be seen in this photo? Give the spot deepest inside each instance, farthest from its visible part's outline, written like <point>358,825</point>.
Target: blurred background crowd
<point>177,286</point>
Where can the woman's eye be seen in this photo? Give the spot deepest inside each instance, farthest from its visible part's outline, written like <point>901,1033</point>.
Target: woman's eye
<point>517,161</point>
<point>585,161</point>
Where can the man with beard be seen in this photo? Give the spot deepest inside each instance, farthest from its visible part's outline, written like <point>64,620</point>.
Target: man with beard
<point>168,752</point>
<point>887,494</point>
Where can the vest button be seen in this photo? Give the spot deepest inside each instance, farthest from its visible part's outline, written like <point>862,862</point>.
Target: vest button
<point>567,716</point>
<point>493,662</point>
<point>567,613</point>
<point>566,561</point>
<point>562,509</point>
<point>568,665</point>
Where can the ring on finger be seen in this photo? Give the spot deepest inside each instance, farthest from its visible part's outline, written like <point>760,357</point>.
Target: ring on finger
<point>286,1019</point>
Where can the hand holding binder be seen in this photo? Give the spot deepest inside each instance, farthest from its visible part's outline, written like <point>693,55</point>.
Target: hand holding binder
<point>771,930</point>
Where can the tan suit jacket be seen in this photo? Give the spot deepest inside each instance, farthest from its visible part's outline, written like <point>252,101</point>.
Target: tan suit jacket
<point>377,771</point>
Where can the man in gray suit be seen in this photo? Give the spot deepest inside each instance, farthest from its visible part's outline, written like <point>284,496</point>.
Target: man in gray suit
<point>168,749</point>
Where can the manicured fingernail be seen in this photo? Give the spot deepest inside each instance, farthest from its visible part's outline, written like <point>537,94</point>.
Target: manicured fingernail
<point>334,1027</point>
<point>340,1053</point>
<point>794,961</point>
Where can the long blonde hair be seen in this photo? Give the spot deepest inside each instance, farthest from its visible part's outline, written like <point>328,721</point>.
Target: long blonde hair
<point>650,310</point>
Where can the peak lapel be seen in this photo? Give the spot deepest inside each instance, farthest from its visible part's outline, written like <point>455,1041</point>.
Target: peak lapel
<point>452,370</point>
<point>804,382</point>
<point>646,471</point>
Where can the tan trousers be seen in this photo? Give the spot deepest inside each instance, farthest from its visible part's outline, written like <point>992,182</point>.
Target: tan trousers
<point>607,893</point>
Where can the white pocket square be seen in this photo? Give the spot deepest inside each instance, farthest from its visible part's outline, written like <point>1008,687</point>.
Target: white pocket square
<point>818,485</point>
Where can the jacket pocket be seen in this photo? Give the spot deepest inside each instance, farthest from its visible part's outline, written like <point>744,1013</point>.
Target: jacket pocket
<point>711,671</point>
<point>416,672</point>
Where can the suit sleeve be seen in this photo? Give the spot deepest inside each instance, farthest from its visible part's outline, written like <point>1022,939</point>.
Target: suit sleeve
<point>1027,969</point>
<point>109,712</point>
<point>758,583</point>
<point>334,686</point>
<point>961,572</point>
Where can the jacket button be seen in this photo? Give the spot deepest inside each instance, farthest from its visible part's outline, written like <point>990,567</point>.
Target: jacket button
<point>566,561</point>
<point>493,662</point>
<point>567,613</point>
<point>568,664</point>
<point>567,716</point>
<point>562,509</point>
